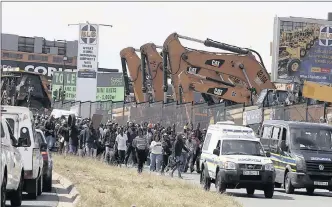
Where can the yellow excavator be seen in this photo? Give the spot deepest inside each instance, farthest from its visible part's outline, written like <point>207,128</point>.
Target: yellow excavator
<point>235,76</point>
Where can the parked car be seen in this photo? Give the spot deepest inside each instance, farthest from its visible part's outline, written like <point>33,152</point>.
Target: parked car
<point>47,160</point>
<point>21,121</point>
<point>12,173</point>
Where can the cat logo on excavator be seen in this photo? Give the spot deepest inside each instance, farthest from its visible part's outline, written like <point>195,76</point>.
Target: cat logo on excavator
<point>218,91</point>
<point>193,70</point>
<point>215,62</point>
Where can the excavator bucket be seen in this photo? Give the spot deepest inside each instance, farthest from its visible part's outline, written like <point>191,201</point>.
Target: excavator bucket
<point>131,59</point>
<point>154,67</point>
<point>239,67</point>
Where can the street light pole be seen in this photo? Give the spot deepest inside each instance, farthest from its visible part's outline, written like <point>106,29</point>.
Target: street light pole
<point>63,77</point>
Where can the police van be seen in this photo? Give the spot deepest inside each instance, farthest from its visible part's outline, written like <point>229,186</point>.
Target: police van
<point>21,121</point>
<point>301,153</point>
<point>233,157</point>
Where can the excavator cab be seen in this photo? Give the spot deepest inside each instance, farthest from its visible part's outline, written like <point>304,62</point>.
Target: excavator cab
<point>273,97</point>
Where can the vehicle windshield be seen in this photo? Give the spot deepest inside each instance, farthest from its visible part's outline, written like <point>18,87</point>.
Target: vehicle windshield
<point>242,147</point>
<point>312,138</point>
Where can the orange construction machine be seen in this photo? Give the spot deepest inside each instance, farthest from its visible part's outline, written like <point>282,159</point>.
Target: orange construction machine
<point>129,57</point>
<point>153,63</point>
<point>236,76</point>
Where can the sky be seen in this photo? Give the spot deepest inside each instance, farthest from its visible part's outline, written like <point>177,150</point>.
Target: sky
<point>134,24</point>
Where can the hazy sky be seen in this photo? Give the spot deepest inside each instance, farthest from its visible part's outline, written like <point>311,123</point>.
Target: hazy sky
<point>241,24</point>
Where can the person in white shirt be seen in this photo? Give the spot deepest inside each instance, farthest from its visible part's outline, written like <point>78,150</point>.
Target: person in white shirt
<point>121,142</point>
<point>156,154</point>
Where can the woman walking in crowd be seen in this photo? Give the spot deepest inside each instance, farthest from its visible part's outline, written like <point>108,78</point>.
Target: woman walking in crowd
<point>140,144</point>
<point>156,154</point>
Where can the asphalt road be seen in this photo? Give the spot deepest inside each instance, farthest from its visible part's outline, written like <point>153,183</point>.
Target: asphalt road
<point>45,200</point>
<point>321,198</point>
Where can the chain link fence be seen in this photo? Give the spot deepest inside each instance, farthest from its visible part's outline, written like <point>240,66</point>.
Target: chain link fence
<point>181,114</point>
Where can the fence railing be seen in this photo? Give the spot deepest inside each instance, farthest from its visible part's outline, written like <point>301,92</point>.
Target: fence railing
<point>180,114</point>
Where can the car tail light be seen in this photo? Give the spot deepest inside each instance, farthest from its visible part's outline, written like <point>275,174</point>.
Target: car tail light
<point>45,155</point>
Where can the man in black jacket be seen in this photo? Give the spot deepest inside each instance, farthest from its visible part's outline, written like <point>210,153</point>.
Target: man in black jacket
<point>177,150</point>
<point>49,132</point>
<point>131,134</point>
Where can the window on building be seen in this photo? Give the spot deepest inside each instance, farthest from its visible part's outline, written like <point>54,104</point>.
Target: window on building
<point>46,50</point>
<point>12,55</point>
<point>38,57</point>
<point>61,51</point>
<point>57,59</point>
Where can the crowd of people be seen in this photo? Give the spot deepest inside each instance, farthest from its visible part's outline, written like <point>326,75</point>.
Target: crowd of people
<point>161,148</point>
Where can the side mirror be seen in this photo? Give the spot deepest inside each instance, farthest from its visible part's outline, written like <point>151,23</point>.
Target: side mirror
<point>268,154</point>
<point>216,152</point>
<point>43,147</point>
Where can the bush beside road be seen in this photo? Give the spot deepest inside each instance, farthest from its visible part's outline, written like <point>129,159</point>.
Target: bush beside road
<point>103,185</point>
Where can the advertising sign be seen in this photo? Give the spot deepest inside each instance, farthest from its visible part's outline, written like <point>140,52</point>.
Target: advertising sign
<point>87,58</point>
<point>110,86</point>
<point>302,48</point>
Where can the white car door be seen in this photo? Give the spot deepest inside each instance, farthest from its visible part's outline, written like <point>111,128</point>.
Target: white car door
<point>7,150</point>
<point>16,157</point>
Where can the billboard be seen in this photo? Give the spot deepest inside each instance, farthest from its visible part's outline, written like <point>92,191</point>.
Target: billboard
<point>87,57</point>
<point>302,48</point>
<point>110,86</point>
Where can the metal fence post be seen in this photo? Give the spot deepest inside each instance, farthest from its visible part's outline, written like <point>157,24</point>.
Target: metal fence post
<point>325,112</point>
<point>90,110</point>
<point>306,110</point>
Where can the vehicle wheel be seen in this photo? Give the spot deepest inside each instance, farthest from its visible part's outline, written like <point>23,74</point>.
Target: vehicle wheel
<point>303,52</point>
<point>48,184</point>
<point>269,191</point>
<point>16,196</point>
<point>205,181</point>
<point>289,188</point>
<point>250,191</point>
<point>3,191</point>
<point>308,46</point>
<point>312,43</point>
<point>220,185</point>
<point>293,65</point>
<point>40,185</point>
<point>310,191</point>
<point>34,194</point>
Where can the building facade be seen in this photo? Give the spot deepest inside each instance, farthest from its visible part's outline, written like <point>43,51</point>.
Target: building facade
<point>36,54</point>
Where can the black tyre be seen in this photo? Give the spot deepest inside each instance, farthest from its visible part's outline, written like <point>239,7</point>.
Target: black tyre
<point>16,196</point>
<point>220,185</point>
<point>40,185</point>
<point>289,188</point>
<point>312,43</point>
<point>303,52</point>
<point>33,195</point>
<point>293,66</point>
<point>3,191</point>
<point>269,191</point>
<point>205,181</point>
<point>308,46</point>
<point>250,191</point>
<point>310,191</point>
<point>48,184</point>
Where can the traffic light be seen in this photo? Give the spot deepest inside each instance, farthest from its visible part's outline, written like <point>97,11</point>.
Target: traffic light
<point>55,94</point>
<point>63,95</point>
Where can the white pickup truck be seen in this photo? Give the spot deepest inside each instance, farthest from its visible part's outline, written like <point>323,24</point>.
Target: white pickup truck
<point>12,173</point>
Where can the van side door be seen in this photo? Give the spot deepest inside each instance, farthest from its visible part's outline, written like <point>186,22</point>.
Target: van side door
<point>6,150</point>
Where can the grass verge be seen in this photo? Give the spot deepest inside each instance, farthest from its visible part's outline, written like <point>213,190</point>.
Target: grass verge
<point>103,185</point>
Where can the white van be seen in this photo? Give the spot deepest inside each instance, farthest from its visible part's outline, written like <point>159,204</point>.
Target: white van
<point>232,157</point>
<point>21,121</point>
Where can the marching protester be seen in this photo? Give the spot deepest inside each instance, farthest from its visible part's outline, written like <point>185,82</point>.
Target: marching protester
<point>121,142</point>
<point>140,144</point>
